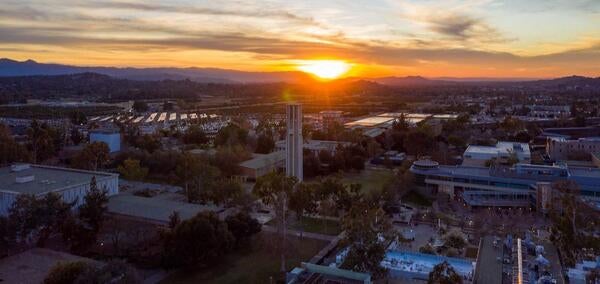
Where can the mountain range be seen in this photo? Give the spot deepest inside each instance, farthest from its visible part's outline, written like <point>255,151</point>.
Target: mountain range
<point>13,68</point>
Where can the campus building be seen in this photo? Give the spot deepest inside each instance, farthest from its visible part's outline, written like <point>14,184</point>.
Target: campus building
<point>294,141</point>
<point>112,138</point>
<point>71,184</point>
<point>315,146</point>
<point>502,152</point>
<point>521,185</point>
<point>330,117</point>
<point>262,164</point>
<point>560,148</point>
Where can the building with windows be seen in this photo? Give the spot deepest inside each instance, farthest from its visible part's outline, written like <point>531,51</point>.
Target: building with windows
<point>329,117</point>
<point>315,146</point>
<point>294,141</point>
<point>507,186</point>
<point>502,152</point>
<point>560,148</point>
<point>72,185</point>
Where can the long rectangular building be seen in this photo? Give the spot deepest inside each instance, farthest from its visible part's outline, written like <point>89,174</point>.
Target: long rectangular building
<point>38,180</point>
<point>515,186</point>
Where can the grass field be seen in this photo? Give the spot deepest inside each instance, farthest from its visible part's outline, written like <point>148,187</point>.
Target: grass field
<point>370,180</point>
<point>257,265</point>
<point>313,225</point>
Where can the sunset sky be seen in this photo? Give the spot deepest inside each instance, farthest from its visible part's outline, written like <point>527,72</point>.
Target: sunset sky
<point>493,38</point>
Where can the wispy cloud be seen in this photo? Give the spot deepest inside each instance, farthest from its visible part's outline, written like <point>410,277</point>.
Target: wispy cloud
<point>460,36</point>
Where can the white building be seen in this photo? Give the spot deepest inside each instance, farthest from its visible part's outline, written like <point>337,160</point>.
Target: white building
<point>294,141</point>
<point>112,138</point>
<point>477,155</point>
<point>71,184</point>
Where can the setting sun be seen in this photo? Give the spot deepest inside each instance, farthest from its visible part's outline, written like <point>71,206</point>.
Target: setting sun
<point>325,69</point>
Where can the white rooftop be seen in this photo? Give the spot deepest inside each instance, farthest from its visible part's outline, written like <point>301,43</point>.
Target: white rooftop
<point>502,148</point>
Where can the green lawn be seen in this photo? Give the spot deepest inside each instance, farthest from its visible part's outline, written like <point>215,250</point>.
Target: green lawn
<point>370,180</point>
<point>413,197</point>
<point>313,225</point>
<point>254,266</point>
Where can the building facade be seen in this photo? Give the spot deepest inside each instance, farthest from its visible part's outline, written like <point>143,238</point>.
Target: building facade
<point>262,164</point>
<point>112,138</point>
<point>502,186</point>
<point>560,148</point>
<point>502,152</point>
<point>294,141</point>
<point>71,184</point>
<point>315,146</point>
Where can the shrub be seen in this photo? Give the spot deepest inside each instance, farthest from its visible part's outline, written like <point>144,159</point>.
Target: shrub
<point>66,272</point>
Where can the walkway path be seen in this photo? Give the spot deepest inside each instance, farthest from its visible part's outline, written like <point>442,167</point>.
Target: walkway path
<point>272,229</point>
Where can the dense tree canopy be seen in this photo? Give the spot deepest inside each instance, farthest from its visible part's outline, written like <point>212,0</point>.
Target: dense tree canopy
<point>444,273</point>
<point>243,227</point>
<point>199,240</point>
<point>92,157</point>
<point>10,150</point>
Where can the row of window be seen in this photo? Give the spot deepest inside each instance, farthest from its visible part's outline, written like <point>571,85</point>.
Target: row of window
<point>481,182</point>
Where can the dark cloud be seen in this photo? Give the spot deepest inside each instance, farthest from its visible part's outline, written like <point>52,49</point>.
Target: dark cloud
<point>465,27</point>
<point>454,25</point>
<point>269,47</point>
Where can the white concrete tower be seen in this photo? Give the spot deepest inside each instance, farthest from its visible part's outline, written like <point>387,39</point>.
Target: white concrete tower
<point>294,141</point>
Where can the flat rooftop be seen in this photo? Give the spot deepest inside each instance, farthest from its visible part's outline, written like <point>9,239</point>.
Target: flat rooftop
<point>158,208</point>
<point>261,161</point>
<point>500,147</point>
<point>33,265</point>
<point>46,179</point>
<point>370,121</point>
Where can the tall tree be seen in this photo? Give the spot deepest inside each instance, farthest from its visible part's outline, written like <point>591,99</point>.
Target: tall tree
<point>194,135</point>
<point>81,230</point>
<point>40,142</point>
<point>76,136</point>
<point>225,191</point>
<point>273,189</point>
<point>131,169</point>
<point>10,150</point>
<point>94,206</point>
<point>264,144</point>
<point>198,240</point>
<point>231,135</point>
<point>364,227</point>
<point>37,218</point>
<point>95,155</point>
<point>243,227</point>
<point>303,201</point>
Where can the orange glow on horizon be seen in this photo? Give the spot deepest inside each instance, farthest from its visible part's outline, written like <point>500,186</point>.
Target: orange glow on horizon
<point>324,69</point>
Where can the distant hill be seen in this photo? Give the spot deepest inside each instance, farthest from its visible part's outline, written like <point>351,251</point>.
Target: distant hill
<point>571,81</point>
<point>12,68</point>
<point>409,80</point>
